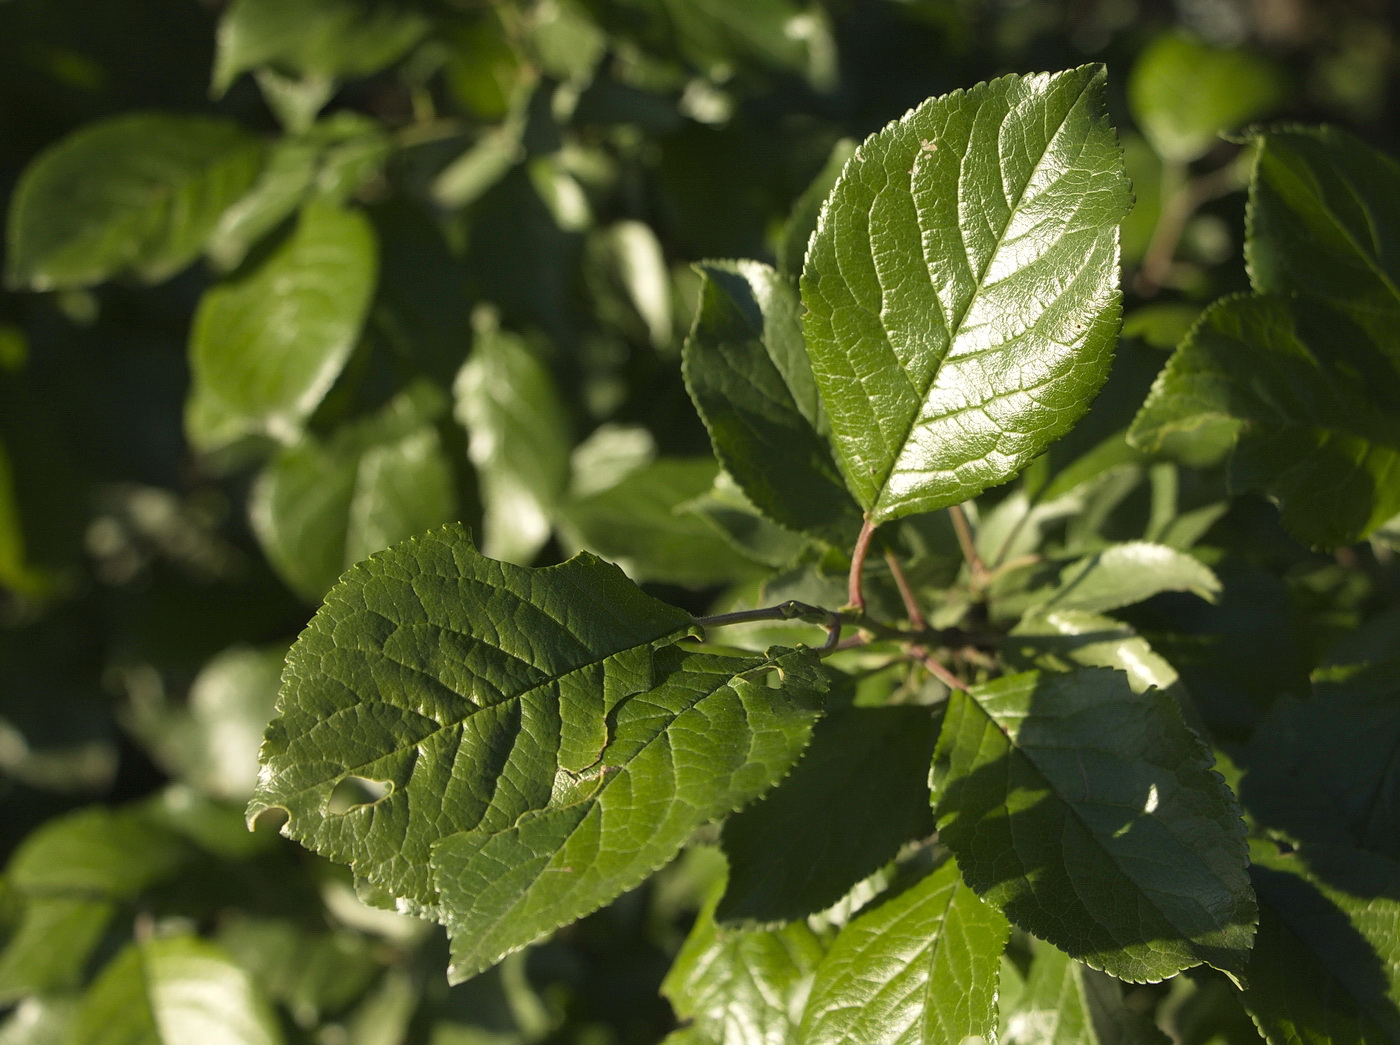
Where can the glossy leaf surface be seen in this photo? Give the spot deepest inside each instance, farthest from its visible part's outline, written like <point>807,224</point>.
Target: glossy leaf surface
<point>1066,1003</point>
<point>1123,574</point>
<point>539,742</point>
<point>269,341</point>
<point>134,196</point>
<point>920,968</point>
<point>962,288</point>
<point>1090,814</point>
<point>747,370</point>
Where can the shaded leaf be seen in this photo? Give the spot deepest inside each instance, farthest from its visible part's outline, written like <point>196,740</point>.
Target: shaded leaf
<point>538,742</point>
<point>519,442</point>
<point>857,795</point>
<point>171,991</point>
<point>132,196</point>
<point>918,969</point>
<point>1090,814</point>
<point>1061,640</point>
<point>742,987</point>
<point>1123,574</point>
<point>49,949</point>
<point>962,288</point>
<point>752,534</point>
<point>1324,969</point>
<point>97,852</point>
<point>1184,93</point>
<point>747,371</point>
<point>269,341</point>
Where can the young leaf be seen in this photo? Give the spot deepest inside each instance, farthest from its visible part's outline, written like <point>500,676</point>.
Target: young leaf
<point>132,196</point>
<point>962,288</point>
<point>170,991</point>
<point>919,969</point>
<point>748,373</point>
<point>538,741</point>
<point>1326,966</point>
<point>519,443</point>
<point>1123,574</point>
<point>1066,1003</point>
<point>859,793</point>
<point>743,987</point>
<point>322,505</point>
<point>1312,399</point>
<point>1090,815</point>
<point>270,340</point>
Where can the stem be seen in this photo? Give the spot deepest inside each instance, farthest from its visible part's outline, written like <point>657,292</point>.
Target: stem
<point>790,610</point>
<point>968,545</point>
<point>936,669</point>
<point>855,595</point>
<point>917,620</point>
<point>1184,196</point>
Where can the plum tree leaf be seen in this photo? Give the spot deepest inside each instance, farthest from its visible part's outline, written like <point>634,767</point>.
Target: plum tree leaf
<point>1091,816</point>
<point>269,341</point>
<point>1123,574</point>
<point>920,968</point>
<point>539,740</point>
<point>748,373</point>
<point>962,288</point>
<point>131,196</point>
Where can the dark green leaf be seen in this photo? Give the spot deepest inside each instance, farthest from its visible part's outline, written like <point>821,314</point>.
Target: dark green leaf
<point>1184,93</point>
<point>962,288</point>
<point>133,196</point>
<point>519,443</point>
<point>858,794</point>
<point>1066,1003</point>
<point>747,370</point>
<point>321,506</point>
<point>752,534</point>
<point>317,39</point>
<point>1312,399</point>
<point>1326,966</point>
<point>270,340</point>
<point>1091,816</point>
<point>1123,574</point>
<point>918,969</point>
<point>173,991</point>
<point>802,221</point>
<point>742,987</point>
<point>539,742</point>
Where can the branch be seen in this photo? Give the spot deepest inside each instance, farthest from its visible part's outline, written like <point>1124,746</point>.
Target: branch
<point>968,544</point>
<point>790,610</point>
<point>917,621</point>
<point>936,669</point>
<point>855,595</point>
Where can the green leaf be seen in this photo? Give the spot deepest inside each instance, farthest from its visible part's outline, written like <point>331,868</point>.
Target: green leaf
<point>230,702</point>
<point>539,741</point>
<point>1123,574</point>
<point>751,533</point>
<point>962,288</point>
<point>318,39</point>
<point>134,196</point>
<point>172,991</point>
<point>1062,640</point>
<point>269,341</point>
<point>1066,1003</point>
<point>519,443</point>
<point>97,852</point>
<point>1090,815</point>
<point>802,220</point>
<point>1184,93</point>
<point>49,949</point>
<point>45,1020</point>
<point>321,506</point>
<point>747,371</point>
<point>1322,209</point>
<point>1312,399</point>
<point>1324,969</point>
<point>918,969</point>
<point>859,793</point>
<point>641,522</point>
<point>742,987</point>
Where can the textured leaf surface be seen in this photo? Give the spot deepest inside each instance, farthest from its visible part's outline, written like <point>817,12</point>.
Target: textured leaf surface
<point>1090,814</point>
<point>743,987</point>
<point>962,288</point>
<point>519,443</point>
<point>1060,640</point>
<point>919,969</point>
<point>1313,399</point>
<point>132,196</point>
<point>172,991</point>
<point>747,370</point>
<point>1123,574</point>
<point>1326,966</point>
<point>1066,1003</point>
<point>858,794</point>
<point>1184,93</point>
<point>270,340</point>
<point>543,743</point>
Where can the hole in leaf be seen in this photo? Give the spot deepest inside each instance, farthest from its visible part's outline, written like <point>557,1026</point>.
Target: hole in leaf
<point>356,792</point>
